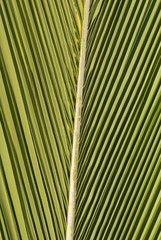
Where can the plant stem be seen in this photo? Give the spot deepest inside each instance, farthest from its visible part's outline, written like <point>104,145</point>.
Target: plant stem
<point>77,122</point>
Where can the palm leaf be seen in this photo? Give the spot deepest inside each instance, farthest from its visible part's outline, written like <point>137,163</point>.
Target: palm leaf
<point>117,134</point>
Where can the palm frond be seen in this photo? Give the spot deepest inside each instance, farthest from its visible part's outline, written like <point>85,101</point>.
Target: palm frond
<point>39,65</point>
<point>118,174</point>
<point>119,145</point>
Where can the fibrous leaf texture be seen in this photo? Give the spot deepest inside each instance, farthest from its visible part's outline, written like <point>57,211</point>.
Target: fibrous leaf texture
<point>117,163</point>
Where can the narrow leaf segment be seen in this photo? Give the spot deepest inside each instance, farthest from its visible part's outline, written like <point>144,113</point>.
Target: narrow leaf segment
<point>74,162</point>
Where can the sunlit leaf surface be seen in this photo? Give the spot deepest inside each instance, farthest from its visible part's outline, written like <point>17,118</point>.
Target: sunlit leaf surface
<point>118,185</point>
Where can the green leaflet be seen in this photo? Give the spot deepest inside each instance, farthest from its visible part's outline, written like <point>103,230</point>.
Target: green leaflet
<point>118,175</point>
